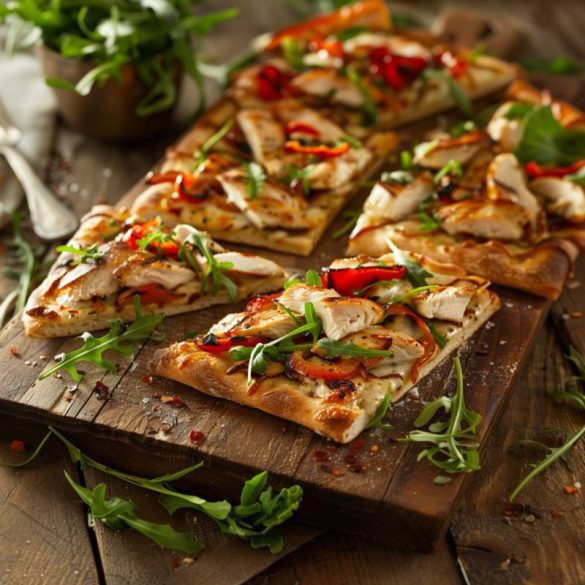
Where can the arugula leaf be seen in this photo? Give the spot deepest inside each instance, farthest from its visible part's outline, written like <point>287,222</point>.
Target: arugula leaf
<point>412,292</point>
<point>440,338</point>
<point>406,160</point>
<point>30,459</point>
<point>335,348</point>
<point>547,462</point>
<point>119,338</point>
<point>369,109</point>
<point>416,273</point>
<point>451,167</point>
<point>298,176</point>
<point>559,65</point>
<point>429,222</point>
<point>117,513</point>
<point>577,359</point>
<point>456,92</point>
<point>214,271</point>
<point>313,278</point>
<point>84,254</point>
<point>463,128</point>
<point>578,177</point>
<point>351,216</point>
<point>255,177</point>
<point>350,33</point>
<point>546,141</point>
<point>400,177</point>
<point>353,142</point>
<point>453,443</point>
<point>209,144</point>
<point>519,111</point>
<point>292,51</point>
<point>377,421</point>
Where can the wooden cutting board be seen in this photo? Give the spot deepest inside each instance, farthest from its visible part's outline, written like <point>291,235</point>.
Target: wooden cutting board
<point>373,486</point>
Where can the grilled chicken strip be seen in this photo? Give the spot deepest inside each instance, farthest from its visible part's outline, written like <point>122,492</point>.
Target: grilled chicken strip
<point>561,197</point>
<point>271,323</point>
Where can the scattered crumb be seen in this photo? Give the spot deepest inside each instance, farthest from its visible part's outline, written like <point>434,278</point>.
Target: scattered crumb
<point>17,446</point>
<point>570,490</point>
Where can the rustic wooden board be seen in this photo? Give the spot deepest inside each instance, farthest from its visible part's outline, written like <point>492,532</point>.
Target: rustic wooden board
<point>393,501</point>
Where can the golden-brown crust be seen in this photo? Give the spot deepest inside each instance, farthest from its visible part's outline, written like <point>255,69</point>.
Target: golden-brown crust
<point>540,269</point>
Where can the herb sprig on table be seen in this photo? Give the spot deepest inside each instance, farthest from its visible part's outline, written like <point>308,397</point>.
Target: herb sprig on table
<point>120,338</point>
<point>255,519</point>
<point>151,37</point>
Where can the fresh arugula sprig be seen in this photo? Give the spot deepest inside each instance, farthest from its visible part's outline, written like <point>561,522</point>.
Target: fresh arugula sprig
<point>462,128</point>
<point>577,177</point>
<point>369,109</point>
<point>117,513</point>
<point>255,519</point>
<point>416,273</point>
<point>440,338</point>
<point>120,338</point>
<point>296,176</point>
<point>335,348</point>
<point>255,177</point>
<point>519,111</point>
<point>351,216</point>
<point>399,177</point>
<point>28,267</point>
<point>293,51</point>
<point>203,152</point>
<point>554,454</point>
<point>458,94</point>
<point>452,167</point>
<point>151,37</point>
<point>214,271</point>
<point>452,443</point>
<point>83,254</point>
<point>377,421</point>
<point>546,141</point>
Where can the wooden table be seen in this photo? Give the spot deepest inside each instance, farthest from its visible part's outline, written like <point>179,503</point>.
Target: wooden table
<point>44,532</point>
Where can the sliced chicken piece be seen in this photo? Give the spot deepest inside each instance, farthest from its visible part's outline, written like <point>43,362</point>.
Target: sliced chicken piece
<point>183,232</point>
<point>249,263</point>
<point>386,294</point>
<point>504,220</point>
<point>142,269</point>
<point>397,201</point>
<point>561,197</point>
<point>506,132</point>
<point>336,173</point>
<point>404,348</point>
<point>506,181</point>
<point>272,323</point>
<point>289,111</point>
<point>327,83</point>
<point>461,149</point>
<point>339,315</point>
<point>273,208</point>
<point>263,131</point>
<point>446,303</point>
<point>395,44</point>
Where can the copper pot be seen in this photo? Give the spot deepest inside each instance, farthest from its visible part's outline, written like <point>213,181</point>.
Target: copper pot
<point>108,112</point>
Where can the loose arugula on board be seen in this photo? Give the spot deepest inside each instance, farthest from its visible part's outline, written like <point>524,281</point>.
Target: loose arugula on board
<point>255,519</point>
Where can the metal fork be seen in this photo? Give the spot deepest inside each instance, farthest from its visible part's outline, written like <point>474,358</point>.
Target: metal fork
<point>50,218</point>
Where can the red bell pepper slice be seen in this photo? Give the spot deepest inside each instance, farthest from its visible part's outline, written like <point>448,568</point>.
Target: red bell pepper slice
<point>273,84</point>
<point>302,128</point>
<point>262,302</point>
<point>348,280</point>
<point>185,186</point>
<point>428,342</point>
<point>397,71</point>
<point>154,294</point>
<point>535,171</point>
<point>211,344</point>
<point>318,369</point>
<point>320,150</point>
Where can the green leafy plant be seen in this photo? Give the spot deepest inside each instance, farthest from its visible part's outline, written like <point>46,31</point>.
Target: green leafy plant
<point>255,177</point>
<point>377,421</point>
<point>456,92</point>
<point>150,37</point>
<point>84,254</point>
<point>254,519</point>
<point>452,443</point>
<point>120,338</point>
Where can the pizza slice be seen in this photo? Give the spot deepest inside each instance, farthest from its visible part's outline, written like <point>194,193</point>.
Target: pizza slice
<point>489,200</point>
<point>273,178</point>
<point>114,257</point>
<point>353,62</point>
<point>328,352</point>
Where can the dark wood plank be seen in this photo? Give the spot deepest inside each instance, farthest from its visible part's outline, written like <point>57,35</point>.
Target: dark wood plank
<point>43,535</point>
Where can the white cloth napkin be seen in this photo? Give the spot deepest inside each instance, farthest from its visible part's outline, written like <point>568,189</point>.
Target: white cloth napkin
<point>31,105</point>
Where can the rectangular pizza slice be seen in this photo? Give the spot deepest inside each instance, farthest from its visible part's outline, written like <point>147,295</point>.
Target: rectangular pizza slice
<point>507,202</point>
<point>326,353</point>
<point>115,257</point>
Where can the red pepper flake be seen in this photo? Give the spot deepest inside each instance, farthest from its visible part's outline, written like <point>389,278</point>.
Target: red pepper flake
<point>570,490</point>
<point>17,446</point>
<point>320,455</point>
<point>336,472</point>
<point>374,449</point>
<point>102,391</point>
<point>556,514</point>
<point>356,467</point>
<point>175,401</point>
<point>176,561</point>
<point>13,351</point>
<point>196,437</point>
<point>148,379</point>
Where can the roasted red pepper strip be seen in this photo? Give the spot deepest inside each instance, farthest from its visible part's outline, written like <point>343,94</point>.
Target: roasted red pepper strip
<point>397,71</point>
<point>273,84</point>
<point>320,150</point>
<point>348,280</point>
<point>215,345</point>
<point>428,342</point>
<point>301,127</point>
<point>317,369</point>
<point>185,187</point>
<point>535,171</point>
<point>149,294</point>
<point>262,302</point>
<point>140,231</point>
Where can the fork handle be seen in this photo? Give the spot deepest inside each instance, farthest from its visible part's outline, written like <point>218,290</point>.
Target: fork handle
<point>50,218</point>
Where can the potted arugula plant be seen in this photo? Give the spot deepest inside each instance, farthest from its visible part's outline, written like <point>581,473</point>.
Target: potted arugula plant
<point>116,65</point>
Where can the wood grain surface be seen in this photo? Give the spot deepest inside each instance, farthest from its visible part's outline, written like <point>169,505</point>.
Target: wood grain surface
<point>490,547</point>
